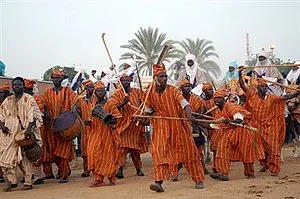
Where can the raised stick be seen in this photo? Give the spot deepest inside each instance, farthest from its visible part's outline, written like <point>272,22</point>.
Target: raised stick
<point>278,84</point>
<point>178,118</point>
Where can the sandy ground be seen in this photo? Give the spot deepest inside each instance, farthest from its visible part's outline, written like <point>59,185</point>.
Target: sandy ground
<point>286,185</point>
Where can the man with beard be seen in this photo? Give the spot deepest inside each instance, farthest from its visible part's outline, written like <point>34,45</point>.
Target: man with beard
<point>268,116</point>
<point>56,149</point>
<point>4,93</point>
<point>103,149</point>
<point>18,112</point>
<point>86,104</point>
<point>166,100</point>
<point>133,139</point>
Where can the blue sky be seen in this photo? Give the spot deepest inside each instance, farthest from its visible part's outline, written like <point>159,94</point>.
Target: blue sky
<point>36,35</point>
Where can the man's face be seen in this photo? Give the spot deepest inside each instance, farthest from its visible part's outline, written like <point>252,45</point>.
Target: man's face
<point>219,101</point>
<point>162,79</point>
<point>100,93</point>
<point>233,100</point>
<point>57,81</point>
<point>18,87</point>
<point>90,89</point>
<point>231,68</point>
<point>126,66</point>
<point>186,88</point>
<point>261,58</point>
<point>190,63</point>
<point>262,89</point>
<point>93,72</point>
<point>208,92</point>
<point>126,82</point>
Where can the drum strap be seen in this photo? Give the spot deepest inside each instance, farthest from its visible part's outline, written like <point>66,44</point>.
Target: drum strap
<point>17,108</point>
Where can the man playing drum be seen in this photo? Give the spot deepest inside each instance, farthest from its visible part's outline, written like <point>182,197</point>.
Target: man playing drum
<point>56,149</point>
<point>18,116</point>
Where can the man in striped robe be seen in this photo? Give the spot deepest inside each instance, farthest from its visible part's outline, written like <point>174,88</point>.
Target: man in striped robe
<point>268,116</point>
<point>103,148</point>
<point>167,101</point>
<point>4,93</point>
<point>236,142</point>
<point>60,151</point>
<point>17,113</point>
<point>133,139</point>
<point>86,104</point>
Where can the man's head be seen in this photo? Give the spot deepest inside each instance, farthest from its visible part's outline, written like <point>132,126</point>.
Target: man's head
<point>234,99</point>
<point>100,91</point>
<point>89,87</point>
<point>28,87</point>
<point>232,66</point>
<point>190,59</point>
<point>185,87</point>
<point>57,77</point>
<point>160,74</point>
<point>219,98</point>
<point>263,56</point>
<point>94,72</point>
<point>208,90</point>
<point>262,87</point>
<point>18,85</point>
<point>125,80</point>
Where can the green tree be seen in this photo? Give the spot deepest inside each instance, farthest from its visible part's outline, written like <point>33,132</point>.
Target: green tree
<point>69,70</point>
<point>203,50</point>
<point>147,47</point>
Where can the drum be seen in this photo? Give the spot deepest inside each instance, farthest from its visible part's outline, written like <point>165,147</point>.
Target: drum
<point>34,153</point>
<point>22,141</point>
<point>67,125</point>
<point>102,114</point>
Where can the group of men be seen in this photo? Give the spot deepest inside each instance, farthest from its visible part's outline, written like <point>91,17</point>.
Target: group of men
<point>223,119</point>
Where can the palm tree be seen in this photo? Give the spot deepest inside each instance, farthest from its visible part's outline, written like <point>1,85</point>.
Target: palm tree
<point>203,50</point>
<point>146,47</point>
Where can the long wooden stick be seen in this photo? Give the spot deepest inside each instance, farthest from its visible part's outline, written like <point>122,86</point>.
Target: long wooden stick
<point>178,118</point>
<point>278,84</point>
<point>271,66</point>
<point>210,110</point>
<point>232,123</point>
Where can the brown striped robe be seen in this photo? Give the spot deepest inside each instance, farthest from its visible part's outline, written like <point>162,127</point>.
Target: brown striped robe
<point>171,134</point>
<point>54,146</point>
<point>133,138</point>
<point>103,149</point>
<point>236,142</point>
<point>268,116</point>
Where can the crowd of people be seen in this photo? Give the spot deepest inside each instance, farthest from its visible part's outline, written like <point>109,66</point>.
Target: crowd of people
<point>242,121</point>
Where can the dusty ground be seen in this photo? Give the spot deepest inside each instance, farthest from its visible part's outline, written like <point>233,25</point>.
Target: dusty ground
<point>286,185</point>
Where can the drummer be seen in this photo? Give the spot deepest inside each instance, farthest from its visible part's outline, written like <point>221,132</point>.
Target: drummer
<point>18,112</point>
<point>59,151</point>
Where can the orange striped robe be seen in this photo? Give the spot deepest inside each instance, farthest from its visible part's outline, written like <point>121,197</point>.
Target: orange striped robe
<point>170,134</point>
<point>86,107</point>
<point>132,136</point>
<point>103,148</point>
<point>54,145</point>
<point>234,140</point>
<point>268,116</point>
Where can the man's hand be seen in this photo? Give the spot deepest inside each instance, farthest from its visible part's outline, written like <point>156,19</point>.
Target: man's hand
<point>241,68</point>
<point>87,122</point>
<point>28,133</point>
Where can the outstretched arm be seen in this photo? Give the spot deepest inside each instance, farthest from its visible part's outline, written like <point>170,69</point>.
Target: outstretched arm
<point>290,96</point>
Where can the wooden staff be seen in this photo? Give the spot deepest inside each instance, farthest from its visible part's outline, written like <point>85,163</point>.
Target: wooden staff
<point>271,66</point>
<point>178,118</point>
<point>232,123</point>
<point>210,110</point>
<point>278,84</point>
<point>115,71</point>
<point>159,61</point>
